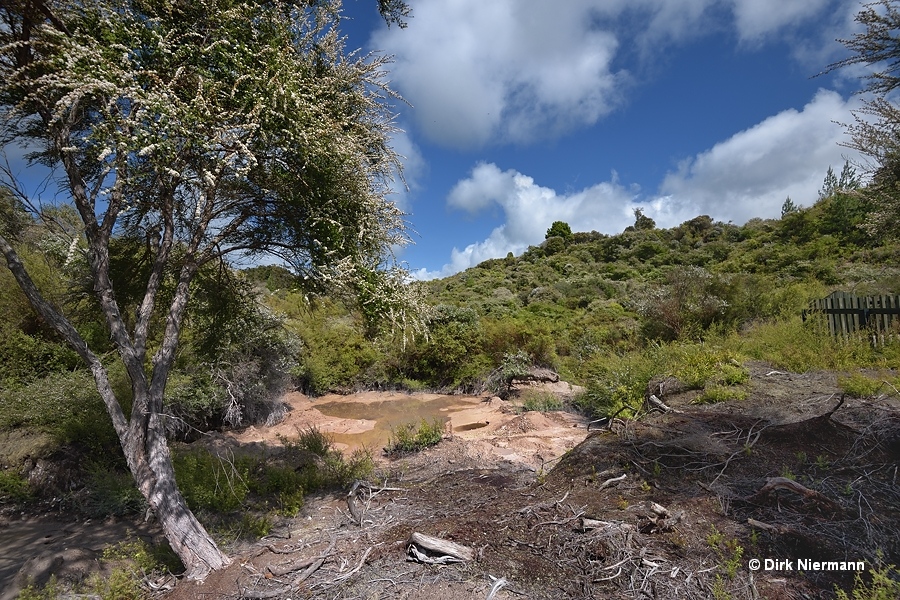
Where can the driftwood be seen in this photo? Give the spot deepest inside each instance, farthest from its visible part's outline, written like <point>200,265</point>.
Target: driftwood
<point>438,546</point>
<point>783,483</point>
<point>657,517</point>
<point>767,527</point>
<point>612,481</point>
<point>289,567</point>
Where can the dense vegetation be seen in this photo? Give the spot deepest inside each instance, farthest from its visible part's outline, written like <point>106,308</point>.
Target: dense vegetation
<point>609,312</point>
<point>586,303</point>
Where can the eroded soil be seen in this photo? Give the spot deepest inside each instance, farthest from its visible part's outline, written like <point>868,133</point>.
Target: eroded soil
<point>673,505</point>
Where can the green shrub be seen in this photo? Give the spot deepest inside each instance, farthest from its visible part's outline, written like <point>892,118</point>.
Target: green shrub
<point>697,365</point>
<point>335,470</point>
<point>313,439</point>
<point>144,556</point>
<point>248,527</point>
<point>25,357</point>
<point>284,484</point>
<point>540,401</point>
<point>858,385</point>
<point>719,393</point>
<point>412,437</point>
<point>619,381</point>
<point>49,591</point>
<point>110,492</point>
<point>209,482</point>
<point>14,487</point>
<point>883,585</point>
<point>68,407</point>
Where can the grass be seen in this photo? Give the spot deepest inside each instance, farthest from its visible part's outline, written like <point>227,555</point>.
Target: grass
<point>14,488</point>
<point>720,393</point>
<point>859,385</point>
<point>540,401</point>
<point>796,346</point>
<point>414,437</point>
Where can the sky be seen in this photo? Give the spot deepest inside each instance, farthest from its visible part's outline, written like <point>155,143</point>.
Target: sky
<point>525,112</point>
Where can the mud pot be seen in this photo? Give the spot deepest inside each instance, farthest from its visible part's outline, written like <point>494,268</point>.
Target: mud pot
<point>494,429</point>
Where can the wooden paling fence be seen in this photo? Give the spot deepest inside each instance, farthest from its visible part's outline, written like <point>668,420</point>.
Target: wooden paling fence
<point>849,315</point>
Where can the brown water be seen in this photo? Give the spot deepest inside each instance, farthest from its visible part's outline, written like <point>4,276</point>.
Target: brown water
<point>386,416</point>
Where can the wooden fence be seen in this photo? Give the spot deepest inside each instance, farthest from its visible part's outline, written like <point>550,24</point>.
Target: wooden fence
<point>849,314</point>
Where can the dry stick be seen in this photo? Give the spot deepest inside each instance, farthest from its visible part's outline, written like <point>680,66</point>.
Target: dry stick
<point>609,482</point>
<point>783,483</point>
<point>730,458</point>
<point>316,564</point>
<point>498,585</point>
<point>358,567</point>
<point>309,571</point>
<point>440,546</point>
<point>563,522</point>
<point>284,569</point>
<point>263,595</point>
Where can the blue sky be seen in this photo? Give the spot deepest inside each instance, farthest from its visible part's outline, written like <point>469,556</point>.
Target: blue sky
<point>529,111</point>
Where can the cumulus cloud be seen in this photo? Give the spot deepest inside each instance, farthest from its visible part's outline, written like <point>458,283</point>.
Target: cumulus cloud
<point>529,209</point>
<point>748,175</point>
<point>505,70</point>
<point>480,73</point>
<point>757,18</point>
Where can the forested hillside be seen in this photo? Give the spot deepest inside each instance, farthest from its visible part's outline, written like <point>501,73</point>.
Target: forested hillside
<point>605,311</point>
<point>582,303</point>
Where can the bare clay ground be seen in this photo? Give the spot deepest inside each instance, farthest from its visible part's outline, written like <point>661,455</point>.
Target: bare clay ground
<point>816,485</point>
<point>494,429</point>
<point>669,506</point>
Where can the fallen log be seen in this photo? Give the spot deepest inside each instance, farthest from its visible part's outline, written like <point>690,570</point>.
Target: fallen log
<point>783,483</point>
<point>289,567</point>
<point>440,546</point>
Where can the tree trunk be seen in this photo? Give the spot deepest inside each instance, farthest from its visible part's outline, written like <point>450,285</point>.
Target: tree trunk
<point>151,463</point>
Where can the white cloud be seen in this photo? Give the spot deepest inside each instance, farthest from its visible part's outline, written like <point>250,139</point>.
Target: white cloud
<point>505,70</point>
<point>750,174</point>
<point>755,19</point>
<point>529,210</point>
<point>480,73</point>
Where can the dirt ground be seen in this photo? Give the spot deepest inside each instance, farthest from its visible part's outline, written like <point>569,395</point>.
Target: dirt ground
<point>673,505</point>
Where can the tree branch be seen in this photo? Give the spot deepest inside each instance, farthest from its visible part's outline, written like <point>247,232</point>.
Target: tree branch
<point>68,332</point>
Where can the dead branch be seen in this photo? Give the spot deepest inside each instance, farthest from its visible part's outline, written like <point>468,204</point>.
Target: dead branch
<point>314,566</point>
<point>612,481</point>
<point>440,546</point>
<point>655,403</point>
<point>588,524</point>
<point>832,411</point>
<point>355,512</point>
<point>289,567</point>
<point>783,483</point>
<point>352,572</point>
<point>498,585</point>
<point>767,527</point>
